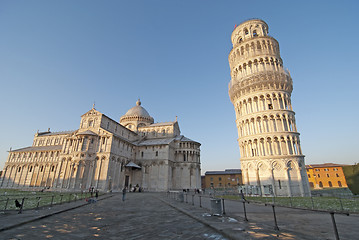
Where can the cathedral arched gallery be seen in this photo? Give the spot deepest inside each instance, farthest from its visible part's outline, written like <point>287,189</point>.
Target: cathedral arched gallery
<point>107,155</point>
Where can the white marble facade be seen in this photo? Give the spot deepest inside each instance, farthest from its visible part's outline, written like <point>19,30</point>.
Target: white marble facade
<point>260,90</point>
<point>107,155</point>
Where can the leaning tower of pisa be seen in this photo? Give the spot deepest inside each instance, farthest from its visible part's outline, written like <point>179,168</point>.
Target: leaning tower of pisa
<point>260,90</point>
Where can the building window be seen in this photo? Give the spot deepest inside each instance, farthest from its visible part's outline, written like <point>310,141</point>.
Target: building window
<point>141,154</point>
<point>220,179</point>
<point>30,170</point>
<point>220,184</point>
<point>211,184</point>
<point>311,184</point>
<point>184,157</point>
<point>317,170</point>
<point>279,184</point>
<point>156,153</point>
<point>42,168</point>
<point>320,184</point>
<point>337,174</point>
<point>255,33</point>
<point>270,106</point>
<point>339,184</point>
<point>330,184</point>
<point>328,175</point>
<point>211,178</point>
<point>308,175</point>
<point>335,169</point>
<point>318,175</point>
<point>326,169</point>
<point>19,169</point>
<point>52,168</point>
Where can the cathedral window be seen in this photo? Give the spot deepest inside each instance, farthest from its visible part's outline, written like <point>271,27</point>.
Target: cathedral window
<point>141,154</point>
<point>240,40</point>
<point>220,179</point>
<point>270,106</point>
<point>30,170</point>
<point>156,153</point>
<point>255,33</point>
<point>246,31</point>
<point>184,157</point>
<point>42,168</point>
<point>19,169</point>
<point>90,123</point>
<point>52,168</point>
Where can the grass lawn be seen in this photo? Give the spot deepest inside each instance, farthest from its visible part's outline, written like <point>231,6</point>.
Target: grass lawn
<point>350,205</point>
<point>34,199</point>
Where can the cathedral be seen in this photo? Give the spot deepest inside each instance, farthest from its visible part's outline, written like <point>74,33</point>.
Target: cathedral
<point>107,155</point>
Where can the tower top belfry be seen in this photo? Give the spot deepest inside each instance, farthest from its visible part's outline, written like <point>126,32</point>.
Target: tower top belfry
<point>260,90</point>
<point>249,29</point>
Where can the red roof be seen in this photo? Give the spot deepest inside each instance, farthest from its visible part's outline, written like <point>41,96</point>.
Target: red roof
<point>324,165</point>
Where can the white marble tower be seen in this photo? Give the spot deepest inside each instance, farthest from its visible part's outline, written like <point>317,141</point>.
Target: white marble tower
<point>260,90</point>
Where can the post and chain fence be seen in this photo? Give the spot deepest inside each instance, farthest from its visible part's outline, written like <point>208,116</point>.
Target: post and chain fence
<point>34,200</point>
<point>220,204</point>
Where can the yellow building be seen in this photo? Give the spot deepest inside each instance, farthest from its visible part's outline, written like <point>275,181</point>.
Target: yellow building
<point>327,175</point>
<point>222,179</point>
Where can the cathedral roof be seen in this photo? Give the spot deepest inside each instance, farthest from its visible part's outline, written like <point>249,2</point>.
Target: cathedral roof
<point>48,133</point>
<point>158,141</point>
<point>137,111</point>
<point>87,132</point>
<point>40,148</point>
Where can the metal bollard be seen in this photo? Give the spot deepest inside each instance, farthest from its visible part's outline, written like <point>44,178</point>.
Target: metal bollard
<point>38,202</point>
<point>244,210</point>
<point>192,200</point>
<point>312,202</point>
<point>22,205</point>
<point>341,204</point>
<point>52,200</point>
<point>7,201</point>
<point>200,202</point>
<point>275,219</point>
<point>223,210</point>
<point>334,226</point>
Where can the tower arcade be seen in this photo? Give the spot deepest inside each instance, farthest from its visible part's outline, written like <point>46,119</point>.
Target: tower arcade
<point>260,91</point>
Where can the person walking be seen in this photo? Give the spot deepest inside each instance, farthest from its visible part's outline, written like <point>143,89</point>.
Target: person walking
<point>124,190</point>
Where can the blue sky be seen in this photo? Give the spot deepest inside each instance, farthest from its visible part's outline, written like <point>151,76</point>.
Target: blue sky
<point>58,57</point>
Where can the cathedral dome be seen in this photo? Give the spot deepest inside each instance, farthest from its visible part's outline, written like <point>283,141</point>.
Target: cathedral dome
<point>137,111</point>
<point>136,117</point>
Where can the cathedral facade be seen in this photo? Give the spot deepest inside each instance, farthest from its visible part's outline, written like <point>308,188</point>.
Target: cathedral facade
<point>260,89</point>
<point>107,155</point>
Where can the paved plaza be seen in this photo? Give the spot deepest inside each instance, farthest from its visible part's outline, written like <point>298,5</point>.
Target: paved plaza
<point>155,216</point>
